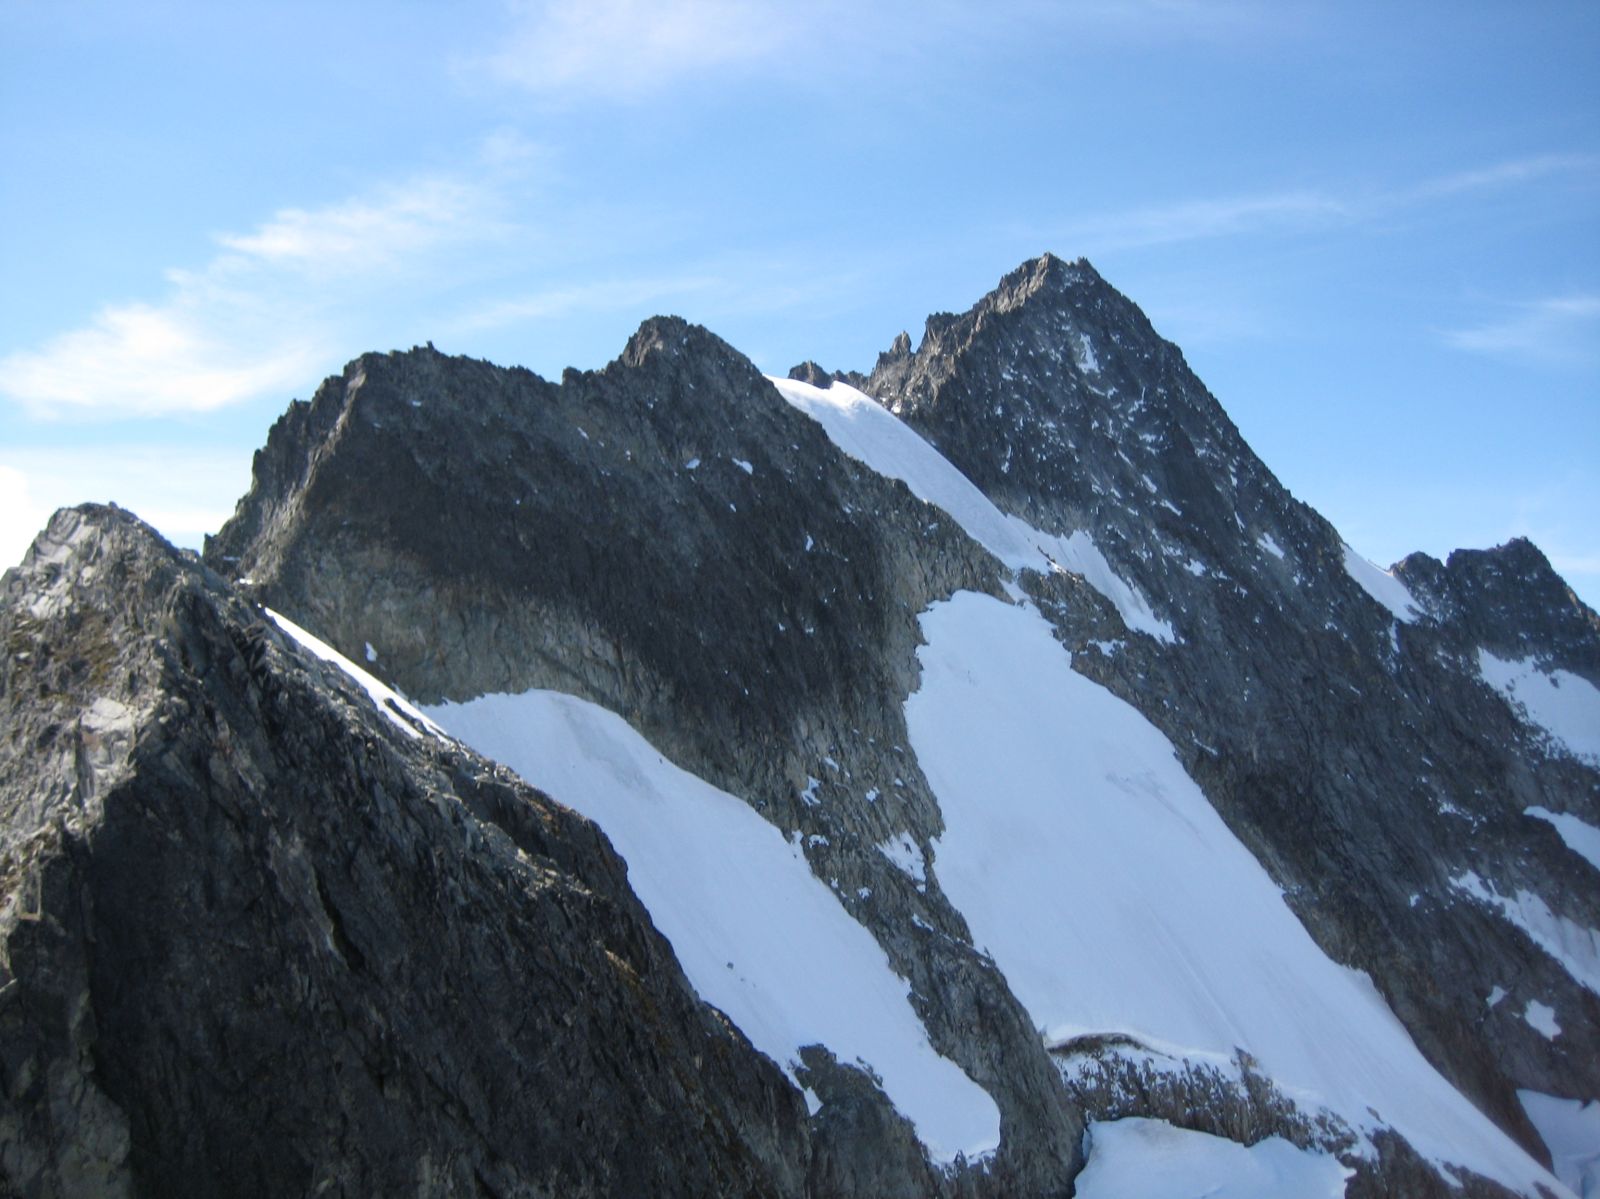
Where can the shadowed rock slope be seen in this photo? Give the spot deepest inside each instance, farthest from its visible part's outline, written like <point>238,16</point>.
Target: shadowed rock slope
<point>667,538</point>
<point>257,940</point>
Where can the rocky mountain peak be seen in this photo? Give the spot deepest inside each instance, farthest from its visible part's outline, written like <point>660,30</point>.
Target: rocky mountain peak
<point>1053,614</point>
<point>257,938</point>
<point>669,335</point>
<point>1047,281</point>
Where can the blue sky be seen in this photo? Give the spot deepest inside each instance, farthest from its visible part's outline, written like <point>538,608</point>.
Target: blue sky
<point>1373,228</point>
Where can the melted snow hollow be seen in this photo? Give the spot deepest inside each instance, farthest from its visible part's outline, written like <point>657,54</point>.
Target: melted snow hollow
<point>1151,1159</point>
<point>1115,900</point>
<point>868,432</point>
<point>1570,1129</point>
<point>758,935</point>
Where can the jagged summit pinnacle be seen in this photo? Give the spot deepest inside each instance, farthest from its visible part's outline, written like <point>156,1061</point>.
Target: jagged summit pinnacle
<point>1046,275</point>
<point>668,334</point>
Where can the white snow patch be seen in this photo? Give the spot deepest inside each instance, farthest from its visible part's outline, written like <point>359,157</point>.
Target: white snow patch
<point>1381,586</point>
<point>1570,1129</point>
<point>873,435</point>
<point>724,886</point>
<point>1087,360</point>
<point>1541,1018</point>
<point>408,719</point>
<point>1582,838</point>
<point>1575,947</point>
<point>1151,1159</point>
<point>1266,542</point>
<point>809,796</point>
<point>1079,554</point>
<point>1196,567</point>
<point>1107,889</point>
<point>692,464</point>
<point>1496,995</point>
<point>906,856</point>
<point>372,654</point>
<point>744,466</point>
<point>1558,702</point>
<point>107,715</point>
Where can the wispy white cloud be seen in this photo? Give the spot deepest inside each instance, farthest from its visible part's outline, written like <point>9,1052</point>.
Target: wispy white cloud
<point>259,317</point>
<point>1555,331</point>
<point>21,516</point>
<point>138,359</point>
<point>365,234</point>
<point>1191,220</point>
<point>1496,175</point>
<point>606,295</point>
<point>1302,210</point>
<point>630,48</point>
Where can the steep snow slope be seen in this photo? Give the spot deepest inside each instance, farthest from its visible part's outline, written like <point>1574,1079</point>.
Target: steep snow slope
<point>1580,836</point>
<point>1059,798</point>
<point>1557,702</point>
<point>1117,902</point>
<point>1381,586</point>
<point>756,932</point>
<point>868,432</point>
<point>386,699</point>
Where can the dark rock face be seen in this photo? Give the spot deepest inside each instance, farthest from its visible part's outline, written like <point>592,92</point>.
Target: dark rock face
<point>670,539</point>
<point>257,941</point>
<point>1362,759</point>
<point>1511,602</point>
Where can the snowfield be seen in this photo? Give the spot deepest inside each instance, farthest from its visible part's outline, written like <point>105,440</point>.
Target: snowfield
<point>408,719</point>
<point>1581,837</point>
<point>757,933</point>
<point>874,436</point>
<point>1381,586</point>
<point>1115,900</point>
<point>1557,702</point>
<point>1575,946</point>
